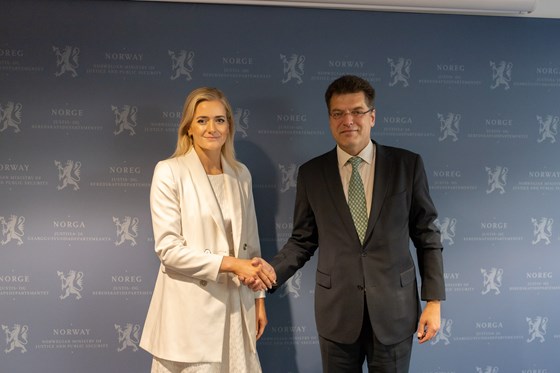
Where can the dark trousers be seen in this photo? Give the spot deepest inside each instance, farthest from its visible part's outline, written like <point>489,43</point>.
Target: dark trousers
<point>349,358</point>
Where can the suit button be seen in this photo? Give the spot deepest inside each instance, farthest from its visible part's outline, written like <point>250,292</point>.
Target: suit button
<point>244,246</point>
<point>360,287</point>
<point>203,282</point>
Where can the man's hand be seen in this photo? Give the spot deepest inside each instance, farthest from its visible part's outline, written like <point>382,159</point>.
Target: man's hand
<point>430,321</point>
<point>266,276</point>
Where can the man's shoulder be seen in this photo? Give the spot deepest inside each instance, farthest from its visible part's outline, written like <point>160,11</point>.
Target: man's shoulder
<point>387,150</point>
<point>319,160</point>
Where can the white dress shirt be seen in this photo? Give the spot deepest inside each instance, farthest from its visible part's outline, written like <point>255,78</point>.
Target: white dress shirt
<point>366,169</point>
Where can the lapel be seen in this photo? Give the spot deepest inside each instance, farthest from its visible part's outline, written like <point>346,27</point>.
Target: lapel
<point>201,184</point>
<point>381,179</point>
<point>334,186</point>
<point>233,190</point>
<point>382,176</point>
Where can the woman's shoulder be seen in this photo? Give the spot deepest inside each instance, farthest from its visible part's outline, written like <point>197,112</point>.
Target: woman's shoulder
<point>170,168</point>
<point>173,162</point>
<point>242,171</point>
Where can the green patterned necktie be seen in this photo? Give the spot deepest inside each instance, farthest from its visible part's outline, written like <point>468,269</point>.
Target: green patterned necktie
<point>357,199</point>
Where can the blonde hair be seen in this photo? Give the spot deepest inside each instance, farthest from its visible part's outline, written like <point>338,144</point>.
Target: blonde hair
<point>184,141</point>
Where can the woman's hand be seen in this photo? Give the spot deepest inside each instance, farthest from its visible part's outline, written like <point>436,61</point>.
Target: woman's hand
<point>262,321</point>
<point>251,272</point>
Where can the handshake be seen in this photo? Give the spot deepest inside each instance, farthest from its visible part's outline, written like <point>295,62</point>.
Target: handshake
<point>257,274</point>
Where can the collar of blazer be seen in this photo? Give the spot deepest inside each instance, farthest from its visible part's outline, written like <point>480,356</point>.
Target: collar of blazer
<point>383,173</point>
<point>206,196</point>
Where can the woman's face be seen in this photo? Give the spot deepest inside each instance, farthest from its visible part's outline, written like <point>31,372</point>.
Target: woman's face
<point>209,128</point>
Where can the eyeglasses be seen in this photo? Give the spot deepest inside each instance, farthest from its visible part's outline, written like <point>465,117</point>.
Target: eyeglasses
<point>338,114</point>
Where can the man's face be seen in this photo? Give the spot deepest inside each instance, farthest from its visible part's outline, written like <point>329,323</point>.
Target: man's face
<point>352,130</point>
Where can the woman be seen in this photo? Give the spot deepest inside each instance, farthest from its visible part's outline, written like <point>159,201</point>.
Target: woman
<point>201,318</point>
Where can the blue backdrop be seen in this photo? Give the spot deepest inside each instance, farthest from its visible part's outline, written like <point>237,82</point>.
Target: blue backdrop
<point>90,98</point>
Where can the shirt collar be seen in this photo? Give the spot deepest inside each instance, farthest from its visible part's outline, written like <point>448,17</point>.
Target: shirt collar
<point>366,154</point>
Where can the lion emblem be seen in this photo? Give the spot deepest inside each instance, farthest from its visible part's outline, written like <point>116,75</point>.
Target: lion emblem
<point>68,174</point>
<point>496,179</point>
<point>129,336</point>
<point>16,337</point>
<point>241,118</point>
<point>292,286</point>
<point>12,229</point>
<point>542,230</point>
<point>293,67</point>
<point>449,126</point>
<point>125,119</point>
<point>10,116</point>
<point>444,334</point>
<point>127,230</point>
<point>289,176</point>
<point>400,71</point>
<point>501,74</point>
<point>487,369</point>
<point>537,328</point>
<point>181,64</point>
<point>548,128</point>
<point>67,60</point>
<point>71,284</point>
<point>492,280</point>
<point>447,229</point>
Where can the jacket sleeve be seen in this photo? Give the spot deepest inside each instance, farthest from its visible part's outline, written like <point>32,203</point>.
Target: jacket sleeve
<point>304,239</point>
<point>252,226</point>
<point>426,236</point>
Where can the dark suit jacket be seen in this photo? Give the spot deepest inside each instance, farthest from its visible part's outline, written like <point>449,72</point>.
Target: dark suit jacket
<point>382,268</point>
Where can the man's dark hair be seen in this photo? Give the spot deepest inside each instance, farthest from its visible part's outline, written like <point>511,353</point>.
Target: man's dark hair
<point>350,84</point>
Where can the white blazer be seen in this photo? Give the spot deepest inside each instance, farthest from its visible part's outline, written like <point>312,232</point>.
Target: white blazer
<point>186,318</point>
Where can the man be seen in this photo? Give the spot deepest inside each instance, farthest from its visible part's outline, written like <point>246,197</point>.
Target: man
<point>366,295</point>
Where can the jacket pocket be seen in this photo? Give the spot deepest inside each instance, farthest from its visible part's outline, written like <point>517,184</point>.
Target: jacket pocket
<point>323,279</point>
<point>408,276</point>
